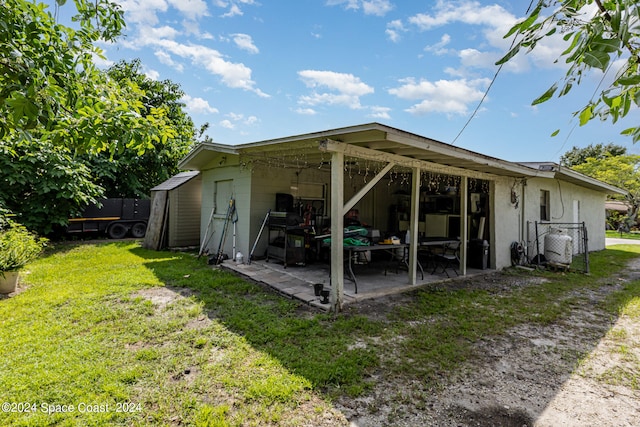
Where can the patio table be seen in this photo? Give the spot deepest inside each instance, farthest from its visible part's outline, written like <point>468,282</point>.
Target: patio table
<point>352,251</point>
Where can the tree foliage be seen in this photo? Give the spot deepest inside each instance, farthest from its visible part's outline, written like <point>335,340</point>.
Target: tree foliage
<point>43,184</point>
<point>605,37</point>
<point>57,109</point>
<point>620,171</point>
<point>50,87</point>
<point>128,173</point>
<point>577,155</point>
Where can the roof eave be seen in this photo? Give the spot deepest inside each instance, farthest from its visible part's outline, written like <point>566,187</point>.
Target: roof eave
<point>203,154</point>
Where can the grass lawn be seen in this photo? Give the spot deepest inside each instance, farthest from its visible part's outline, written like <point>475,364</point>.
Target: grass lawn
<point>618,235</point>
<point>112,334</point>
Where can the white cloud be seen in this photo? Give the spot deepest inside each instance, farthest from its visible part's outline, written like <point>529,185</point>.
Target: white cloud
<point>227,124</point>
<point>380,112</point>
<point>348,4</point>
<point>376,7</point>
<point>152,74</point>
<point>192,9</point>
<point>394,28</point>
<point>166,59</point>
<point>234,119</point>
<point>478,59</point>
<point>164,32</point>
<point>234,10</point>
<point>233,75</point>
<point>369,7</point>
<point>346,83</point>
<point>346,89</point>
<point>494,22</point>
<point>442,96</point>
<point>143,11</point>
<point>468,12</point>
<point>440,47</point>
<point>306,111</point>
<point>234,7</point>
<point>245,42</point>
<point>102,62</point>
<point>198,105</point>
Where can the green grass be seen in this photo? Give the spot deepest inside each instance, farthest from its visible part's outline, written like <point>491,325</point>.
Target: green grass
<point>229,352</point>
<point>618,235</point>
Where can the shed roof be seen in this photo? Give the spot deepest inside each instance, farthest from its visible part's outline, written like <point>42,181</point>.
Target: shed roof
<point>176,181</point>
<point>384,143</point>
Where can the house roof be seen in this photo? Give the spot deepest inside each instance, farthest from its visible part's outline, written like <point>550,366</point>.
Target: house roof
<point>569,175</point>
<point>375,141</point>
<point>617,205</point>
<point>176,181</point>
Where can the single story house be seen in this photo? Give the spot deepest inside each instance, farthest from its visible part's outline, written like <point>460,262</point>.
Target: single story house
<point>398,183</point>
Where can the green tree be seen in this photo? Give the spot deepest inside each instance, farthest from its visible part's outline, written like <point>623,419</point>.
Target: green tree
<point>576,155</point>
<point>127,173</point>
<point>50,87</point>
<point>608,40</point>
<point>55,105</point>
<point>620,171</point>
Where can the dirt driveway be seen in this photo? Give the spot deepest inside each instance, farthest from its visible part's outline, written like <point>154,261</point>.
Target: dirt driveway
<point>531,376</point>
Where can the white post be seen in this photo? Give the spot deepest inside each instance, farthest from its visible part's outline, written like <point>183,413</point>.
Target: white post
<point>337,231</point>
<point>464,225</point>
<point>413,225</point>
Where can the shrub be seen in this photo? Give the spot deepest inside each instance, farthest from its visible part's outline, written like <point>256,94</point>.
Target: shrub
<point>18,246</point>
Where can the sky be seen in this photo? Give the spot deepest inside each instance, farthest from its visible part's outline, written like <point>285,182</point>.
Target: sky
<point>258,69</point>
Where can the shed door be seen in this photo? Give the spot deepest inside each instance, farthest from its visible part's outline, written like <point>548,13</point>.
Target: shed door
<point>223,193</point>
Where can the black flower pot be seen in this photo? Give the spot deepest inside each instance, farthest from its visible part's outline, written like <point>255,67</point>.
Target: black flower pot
<point>325,296</point>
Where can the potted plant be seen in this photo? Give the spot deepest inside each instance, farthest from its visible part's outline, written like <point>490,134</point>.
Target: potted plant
<point>18,246</point>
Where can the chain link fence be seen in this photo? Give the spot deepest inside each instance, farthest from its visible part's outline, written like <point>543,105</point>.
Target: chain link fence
<point>543,245</point>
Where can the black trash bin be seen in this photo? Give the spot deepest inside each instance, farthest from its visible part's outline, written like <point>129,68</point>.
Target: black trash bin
<point>478,254</point>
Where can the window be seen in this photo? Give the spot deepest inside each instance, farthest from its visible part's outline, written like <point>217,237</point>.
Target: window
<point>545,206</point>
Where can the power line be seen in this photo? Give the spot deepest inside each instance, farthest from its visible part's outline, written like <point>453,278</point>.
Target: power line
<point>479,104</point>
<point>495,76</point>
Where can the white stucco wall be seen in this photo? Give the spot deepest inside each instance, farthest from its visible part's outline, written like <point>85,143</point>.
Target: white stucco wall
<point>506,226</point>
<point>569,203</point>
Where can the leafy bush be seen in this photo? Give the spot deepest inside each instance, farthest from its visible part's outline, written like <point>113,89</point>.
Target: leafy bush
<point>18,246</point>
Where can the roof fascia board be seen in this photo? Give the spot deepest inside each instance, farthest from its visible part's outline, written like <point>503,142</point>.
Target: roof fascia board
<point>368,154</point>
<point>319,136</point>
<point>564,171</point>
<point>445,149</point>
<point>205,147</point>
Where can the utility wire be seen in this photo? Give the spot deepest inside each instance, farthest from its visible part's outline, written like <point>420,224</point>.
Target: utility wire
<point>495,76</point>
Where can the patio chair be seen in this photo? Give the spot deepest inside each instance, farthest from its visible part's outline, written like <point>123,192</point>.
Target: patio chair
<point>448,259</point>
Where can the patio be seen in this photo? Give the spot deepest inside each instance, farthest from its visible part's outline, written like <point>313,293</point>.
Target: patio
<point>375,280</point>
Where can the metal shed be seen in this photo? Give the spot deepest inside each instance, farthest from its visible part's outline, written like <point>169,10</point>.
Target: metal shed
<point>175,212</point>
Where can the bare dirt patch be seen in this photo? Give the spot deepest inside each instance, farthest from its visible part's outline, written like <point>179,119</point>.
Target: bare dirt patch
<point>576,372</point>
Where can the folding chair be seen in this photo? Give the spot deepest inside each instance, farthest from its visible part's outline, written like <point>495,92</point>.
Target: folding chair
<point>448,259</point>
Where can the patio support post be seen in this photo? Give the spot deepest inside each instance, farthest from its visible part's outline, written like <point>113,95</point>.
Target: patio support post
<point>413,225</point>
<point>464,225</point>
<point>336,296</point>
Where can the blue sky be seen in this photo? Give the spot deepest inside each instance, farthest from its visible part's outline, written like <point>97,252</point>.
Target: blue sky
<point>257,70</point>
